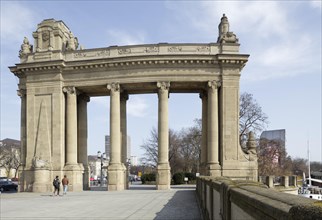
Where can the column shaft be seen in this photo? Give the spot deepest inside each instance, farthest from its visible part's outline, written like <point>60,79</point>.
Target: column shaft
<point>213,132</point>
<point>82,129</point>
<point>115,124</point>
<point>163,170</point>
<point>163,126</point>
<point>71,125</point>
<point>23,136</point>
<point>124,98</point>
<point>203,156</point>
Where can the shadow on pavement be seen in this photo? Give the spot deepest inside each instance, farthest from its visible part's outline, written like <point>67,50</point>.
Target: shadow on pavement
<point>182,206</point>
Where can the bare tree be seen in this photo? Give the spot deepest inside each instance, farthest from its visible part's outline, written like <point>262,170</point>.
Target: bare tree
<point>10,158</point>
<point>251,117</point>
<point>150,146</point>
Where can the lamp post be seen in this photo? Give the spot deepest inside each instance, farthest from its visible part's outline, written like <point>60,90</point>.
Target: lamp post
<point>101,156</point>
<point>128,162</point>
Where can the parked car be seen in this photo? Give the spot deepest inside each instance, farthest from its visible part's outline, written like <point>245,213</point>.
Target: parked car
<point>8,185</point>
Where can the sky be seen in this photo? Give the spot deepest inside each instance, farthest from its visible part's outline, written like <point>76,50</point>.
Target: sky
<point>283,73</point>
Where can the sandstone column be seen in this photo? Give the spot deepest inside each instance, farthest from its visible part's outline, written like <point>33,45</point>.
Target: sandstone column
<point>71,125</point>
<point>115,169</point>
<point>163,174</point>
<point>22,94</point>
<point>203,156</point>
<point>124,98</point>
<point>72,169</point>
<point>82,137</point>
<point>213,131</point>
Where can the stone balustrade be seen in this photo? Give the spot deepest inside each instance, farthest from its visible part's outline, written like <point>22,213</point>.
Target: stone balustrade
<point>224,198</point>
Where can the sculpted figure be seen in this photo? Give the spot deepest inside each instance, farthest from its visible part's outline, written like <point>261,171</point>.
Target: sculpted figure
<point>225,36</point>
<point>72,42</point>
<point>251,146</point>
<point>37,162</point>
<point>25,47</point>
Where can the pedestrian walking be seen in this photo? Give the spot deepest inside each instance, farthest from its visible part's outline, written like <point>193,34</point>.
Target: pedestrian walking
<point>65,183</point>
<point>56,184</point>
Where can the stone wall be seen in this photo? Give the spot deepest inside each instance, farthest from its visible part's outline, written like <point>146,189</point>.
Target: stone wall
<point>224,198</point>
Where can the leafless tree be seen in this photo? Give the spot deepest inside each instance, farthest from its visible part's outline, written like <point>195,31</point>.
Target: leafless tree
<point>251,117</point>
<point>10,158</point>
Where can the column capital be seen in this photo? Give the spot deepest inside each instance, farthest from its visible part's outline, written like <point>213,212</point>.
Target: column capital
<point>214,84</point>
<point>203,94</point>
<point>22,93</point>
<point>124,96</point>
<point>84,97</point>
<point>163,86</point>
<point>115,87</point>
<point>70,90</point>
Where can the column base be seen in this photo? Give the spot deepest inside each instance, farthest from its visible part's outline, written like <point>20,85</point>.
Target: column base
<point>74,173</point>
<point>86,176</point>
<point>163,177</point>
<point>116,177</point>
<point>42,181</point>
<point>214,170</point>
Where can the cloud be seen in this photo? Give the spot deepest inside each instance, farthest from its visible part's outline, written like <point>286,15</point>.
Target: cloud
<point>137,107</point>
<point>316,4</point>
<point>120,37</point>
<point>270,31</point>
<point>17,21</point>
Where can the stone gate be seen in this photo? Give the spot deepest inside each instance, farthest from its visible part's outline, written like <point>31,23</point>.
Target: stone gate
<point>56,81</point>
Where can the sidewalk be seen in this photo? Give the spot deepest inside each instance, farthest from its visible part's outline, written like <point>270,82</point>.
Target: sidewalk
<point>140,202</point>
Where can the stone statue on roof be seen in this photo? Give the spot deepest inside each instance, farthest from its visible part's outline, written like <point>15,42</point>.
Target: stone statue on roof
<point>225,36</point>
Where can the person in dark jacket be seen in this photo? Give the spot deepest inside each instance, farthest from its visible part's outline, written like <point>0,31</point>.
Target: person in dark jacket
<point>56,184</point>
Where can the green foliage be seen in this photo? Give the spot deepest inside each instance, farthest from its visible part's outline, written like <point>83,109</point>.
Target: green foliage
<point>178,178</point>
<point>149,177</point>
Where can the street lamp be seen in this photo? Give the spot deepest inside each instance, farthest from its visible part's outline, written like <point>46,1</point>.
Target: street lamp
<point>128,163</point>
<point>101,156</point>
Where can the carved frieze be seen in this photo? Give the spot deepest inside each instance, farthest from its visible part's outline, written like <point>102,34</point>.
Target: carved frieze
<point>203,49</point>
<point>123,51</point>
<point>151,49</point>
<point>175,49</point>
<point>39,163</point>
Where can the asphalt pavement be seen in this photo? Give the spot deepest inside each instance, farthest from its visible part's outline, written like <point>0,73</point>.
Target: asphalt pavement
<point>140,202</point>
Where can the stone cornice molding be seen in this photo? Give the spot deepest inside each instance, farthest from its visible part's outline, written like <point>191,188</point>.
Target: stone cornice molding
<point>214,84</point>
<point>115,87</point>
<point>71,90</point>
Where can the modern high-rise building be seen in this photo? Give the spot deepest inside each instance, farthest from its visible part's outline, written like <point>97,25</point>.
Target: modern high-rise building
<point>108,146</point>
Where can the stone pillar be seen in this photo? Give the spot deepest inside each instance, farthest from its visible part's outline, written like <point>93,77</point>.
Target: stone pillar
<point>213,131</point>
<point>203,156</point>
<point>72,169</point>
<point>71,125</point>
<point>22,94</point>
<point>115,169</point>
<point>82,137</point>
<point>163,169</point>
<point>124,98</point>
<point>23,138</point>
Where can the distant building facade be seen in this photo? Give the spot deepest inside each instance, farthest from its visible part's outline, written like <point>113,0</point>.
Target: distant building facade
<point>108,146</point>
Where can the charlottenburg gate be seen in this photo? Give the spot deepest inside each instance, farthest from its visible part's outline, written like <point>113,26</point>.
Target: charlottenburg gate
<point>56,81</point>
